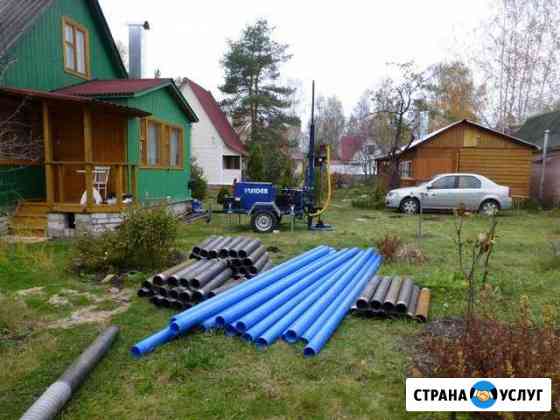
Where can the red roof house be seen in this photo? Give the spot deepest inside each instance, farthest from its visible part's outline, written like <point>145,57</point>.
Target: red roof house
<point>216,146</point>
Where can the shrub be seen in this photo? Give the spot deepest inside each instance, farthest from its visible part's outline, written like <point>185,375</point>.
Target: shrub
<point>388,247</point>
<point>222,194</point>
<point>198,184</point>
<point>489,348</point>
<point>145,240</point>
<point>373,201</point>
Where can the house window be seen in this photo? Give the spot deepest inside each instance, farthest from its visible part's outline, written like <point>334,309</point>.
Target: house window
<point>161,144</point>
<point>153,143</point>
<point>76,48</point>
<point>405,168</point>
<point>232,162</point>
<point>175,148</point>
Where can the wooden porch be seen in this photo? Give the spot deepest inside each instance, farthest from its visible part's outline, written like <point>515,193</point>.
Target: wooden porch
<point>77,143</point>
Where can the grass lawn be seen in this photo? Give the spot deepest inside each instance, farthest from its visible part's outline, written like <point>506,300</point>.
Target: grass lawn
<point>359,374</point>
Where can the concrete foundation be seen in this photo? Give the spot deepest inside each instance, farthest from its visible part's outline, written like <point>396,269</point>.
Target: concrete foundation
<point>60,226</point>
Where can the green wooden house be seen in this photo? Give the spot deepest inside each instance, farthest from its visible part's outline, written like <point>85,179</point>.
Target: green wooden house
<point>90,140</point>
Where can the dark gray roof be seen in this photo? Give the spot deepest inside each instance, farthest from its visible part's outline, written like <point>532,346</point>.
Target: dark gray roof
<point>16,17</point>
<point>533,129</point>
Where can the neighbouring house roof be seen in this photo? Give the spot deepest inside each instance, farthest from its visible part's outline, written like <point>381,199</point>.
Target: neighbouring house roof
<point>533,129</point>
<point>18,16</point>
<point>217,118</point>
<point>349,145</point>
<point>431,136</point>
<point>126,88</point>
<point>60,97</point>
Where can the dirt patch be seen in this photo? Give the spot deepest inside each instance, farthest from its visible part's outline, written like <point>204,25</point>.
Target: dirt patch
<point>57,300</point>
<point>359,219</point>
<point>423,363</point>
<point>92,313</point>
<point>86,315</point>
<point>30,292</point>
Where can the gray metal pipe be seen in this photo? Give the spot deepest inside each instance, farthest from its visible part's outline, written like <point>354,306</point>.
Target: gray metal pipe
<point>185,294</point>
<point>53,399</point>
<point>249,248</point>
<point>404,296</point>
<point>234,250</point>
<point>224,251</point>
<point>411,312</point>
<point>254,256</point>
<point>267,266</point>
<point>363,301</point>
<point>148,284</point>
<point>204,251</point>
<point>392,294</point>
<point>186,270</point>
<point>161,278</point>
<point>378,298</point>
<point>216,282</point>
<point>216,247</point>
<point>226,286</point>
<point>184,278</point>
<point>236,241</point>
<point>157,300</point>
<point>205,277</point>
<point>197,248</point>
<point>145,292</point>
<point>163,291</point>
<point>259,265</point>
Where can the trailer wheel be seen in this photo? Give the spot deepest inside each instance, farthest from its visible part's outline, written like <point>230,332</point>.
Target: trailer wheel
<point>263,221</point>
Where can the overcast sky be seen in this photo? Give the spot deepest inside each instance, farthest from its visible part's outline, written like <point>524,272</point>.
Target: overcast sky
<point>343,45</point>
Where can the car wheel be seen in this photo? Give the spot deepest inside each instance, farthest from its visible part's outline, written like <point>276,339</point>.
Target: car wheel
<point>263,221</point>
<point>489,208</point>
<point>409,206</point>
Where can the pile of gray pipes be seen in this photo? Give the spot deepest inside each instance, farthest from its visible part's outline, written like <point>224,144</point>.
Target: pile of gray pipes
<point>221,262</point>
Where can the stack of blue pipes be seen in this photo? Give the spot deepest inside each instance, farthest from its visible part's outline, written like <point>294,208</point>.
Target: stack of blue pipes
<point>303,299</point>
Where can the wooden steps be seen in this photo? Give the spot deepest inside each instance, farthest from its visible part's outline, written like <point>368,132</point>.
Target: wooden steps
<point>30,219</point>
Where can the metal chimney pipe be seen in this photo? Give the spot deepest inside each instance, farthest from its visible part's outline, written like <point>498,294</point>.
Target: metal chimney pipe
<point>543,167</point>
<point>136,49</point>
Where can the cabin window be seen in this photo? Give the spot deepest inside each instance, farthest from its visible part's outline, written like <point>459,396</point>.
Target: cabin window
<point>175,148</point>
<point>232,162</point>
<point>76,48</point>
<point>154,140</point>
<point>161,144</point>
<point>405,168</point>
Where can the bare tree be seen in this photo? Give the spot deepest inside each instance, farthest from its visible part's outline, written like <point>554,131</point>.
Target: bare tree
<point>520,59</point>
<point>329,121</point>
<point>397,104</point>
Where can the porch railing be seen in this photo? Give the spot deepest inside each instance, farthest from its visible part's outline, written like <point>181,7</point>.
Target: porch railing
<point>70,181</point>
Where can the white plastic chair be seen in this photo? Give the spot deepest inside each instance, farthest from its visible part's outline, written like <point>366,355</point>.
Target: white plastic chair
<point>101,179</point>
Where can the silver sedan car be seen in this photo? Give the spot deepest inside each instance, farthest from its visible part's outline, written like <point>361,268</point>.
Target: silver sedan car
<point>449,191</point>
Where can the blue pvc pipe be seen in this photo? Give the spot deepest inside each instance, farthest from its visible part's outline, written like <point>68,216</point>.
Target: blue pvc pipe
<point>150,343</point>
<point>263,277</point>
<point>209,324</point>
<point>282,317</point>
<point>318,341</point>
<point>317,307</point>
<point>205,310</point>
<point>295,290</point>
<point>306,276</point>
<point>327,312</point>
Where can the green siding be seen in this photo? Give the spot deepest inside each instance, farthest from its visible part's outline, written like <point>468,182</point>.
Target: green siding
<point>39,54</point>
<point>21,182</point>
<point>158,184</point>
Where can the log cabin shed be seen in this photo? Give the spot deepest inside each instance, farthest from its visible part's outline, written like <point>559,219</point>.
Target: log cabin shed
<point>466,146</point>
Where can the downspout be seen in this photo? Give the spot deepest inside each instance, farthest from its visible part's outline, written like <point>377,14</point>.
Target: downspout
<point>543,167</point>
